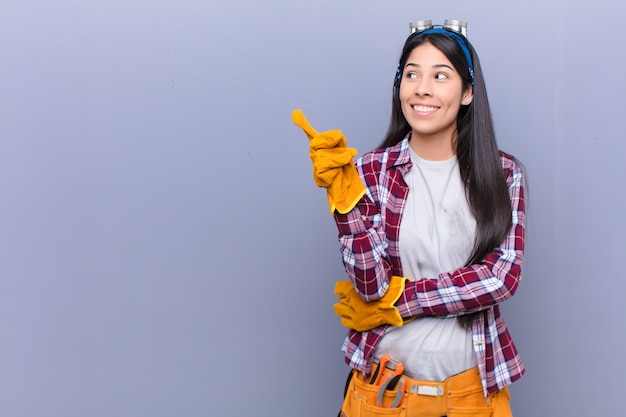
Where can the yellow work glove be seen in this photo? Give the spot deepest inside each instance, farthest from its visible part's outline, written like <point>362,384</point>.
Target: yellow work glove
<point>365,315</point>
<point>333,168</point>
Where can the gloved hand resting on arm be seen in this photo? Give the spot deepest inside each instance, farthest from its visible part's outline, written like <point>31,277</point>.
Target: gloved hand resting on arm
<point>363,315</point>
<point>333,168</point>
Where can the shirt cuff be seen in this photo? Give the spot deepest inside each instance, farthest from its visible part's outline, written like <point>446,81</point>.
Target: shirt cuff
<point>353,222</point>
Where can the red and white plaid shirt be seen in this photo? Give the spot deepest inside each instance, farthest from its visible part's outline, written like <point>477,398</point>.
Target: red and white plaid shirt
<point>369,244</point>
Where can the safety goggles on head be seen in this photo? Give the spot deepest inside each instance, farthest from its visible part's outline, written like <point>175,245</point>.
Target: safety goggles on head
<point>455,29</point>
<point>457,26</point>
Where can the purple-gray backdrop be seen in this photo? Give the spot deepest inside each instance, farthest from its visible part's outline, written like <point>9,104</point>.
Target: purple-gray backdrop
<point>164,251</point>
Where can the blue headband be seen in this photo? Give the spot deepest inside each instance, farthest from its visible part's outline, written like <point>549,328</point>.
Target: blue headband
<point>458,38</point>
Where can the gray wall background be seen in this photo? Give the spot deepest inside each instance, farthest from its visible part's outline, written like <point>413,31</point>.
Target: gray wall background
<point>164,251</point>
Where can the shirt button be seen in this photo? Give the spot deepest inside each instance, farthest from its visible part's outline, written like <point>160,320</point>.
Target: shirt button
<point>363,217</point>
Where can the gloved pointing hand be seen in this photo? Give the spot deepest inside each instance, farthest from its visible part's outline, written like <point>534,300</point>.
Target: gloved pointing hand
<point>333,168</point>
<point>363,315</point>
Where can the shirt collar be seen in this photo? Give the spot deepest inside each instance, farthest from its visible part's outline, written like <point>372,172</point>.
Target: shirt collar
<point>401,151</point>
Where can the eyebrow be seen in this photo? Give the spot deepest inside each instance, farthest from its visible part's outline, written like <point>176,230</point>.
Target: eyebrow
<point>411,64</point>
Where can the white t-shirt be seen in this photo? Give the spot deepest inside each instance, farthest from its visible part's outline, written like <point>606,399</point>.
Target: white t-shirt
<point>436,235</point>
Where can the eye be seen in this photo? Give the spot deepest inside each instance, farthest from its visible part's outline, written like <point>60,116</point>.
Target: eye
<point>411,76</point>
<point>441,76</point>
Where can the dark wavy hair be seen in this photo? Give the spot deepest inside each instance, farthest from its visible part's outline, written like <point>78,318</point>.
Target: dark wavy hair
<point>476,149</point>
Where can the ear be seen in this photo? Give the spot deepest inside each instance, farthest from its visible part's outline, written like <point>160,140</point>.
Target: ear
<point>468,96</point>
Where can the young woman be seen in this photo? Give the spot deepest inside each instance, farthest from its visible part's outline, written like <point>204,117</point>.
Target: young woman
<point>431,227</point>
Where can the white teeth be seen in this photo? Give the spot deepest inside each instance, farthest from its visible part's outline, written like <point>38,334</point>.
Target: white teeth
<point>424,109</point>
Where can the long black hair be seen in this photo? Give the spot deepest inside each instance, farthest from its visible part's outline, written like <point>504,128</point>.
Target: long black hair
<point>476,148</point>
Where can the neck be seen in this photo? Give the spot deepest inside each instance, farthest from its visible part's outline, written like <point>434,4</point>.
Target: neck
<point>433,148</point>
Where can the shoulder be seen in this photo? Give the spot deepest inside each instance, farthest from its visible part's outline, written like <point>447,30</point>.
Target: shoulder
<point>513,168</point>
<point>385,158</point>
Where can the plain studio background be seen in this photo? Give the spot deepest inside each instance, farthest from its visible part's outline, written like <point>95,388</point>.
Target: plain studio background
<point>164,251</point>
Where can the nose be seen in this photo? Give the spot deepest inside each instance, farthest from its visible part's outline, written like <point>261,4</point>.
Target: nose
<point>424,87</point>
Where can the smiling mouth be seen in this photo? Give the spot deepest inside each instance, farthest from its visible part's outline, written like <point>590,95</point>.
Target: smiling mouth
<point>424,109</point>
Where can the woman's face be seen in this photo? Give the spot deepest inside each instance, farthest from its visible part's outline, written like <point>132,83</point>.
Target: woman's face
<point>431,93</point>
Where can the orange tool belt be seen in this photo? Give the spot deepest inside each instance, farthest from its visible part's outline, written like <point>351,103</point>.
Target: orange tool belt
<point>390,393</point>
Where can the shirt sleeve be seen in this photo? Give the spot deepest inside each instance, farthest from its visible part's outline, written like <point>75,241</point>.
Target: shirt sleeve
<point>363,248</point>
<point>363,234</point>
<point>478,286</point>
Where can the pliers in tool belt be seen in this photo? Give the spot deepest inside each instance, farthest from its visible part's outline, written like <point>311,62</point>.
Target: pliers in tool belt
<point>395,379</point>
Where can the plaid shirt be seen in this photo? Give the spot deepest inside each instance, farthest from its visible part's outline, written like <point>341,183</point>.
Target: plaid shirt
<point>369,244</point>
